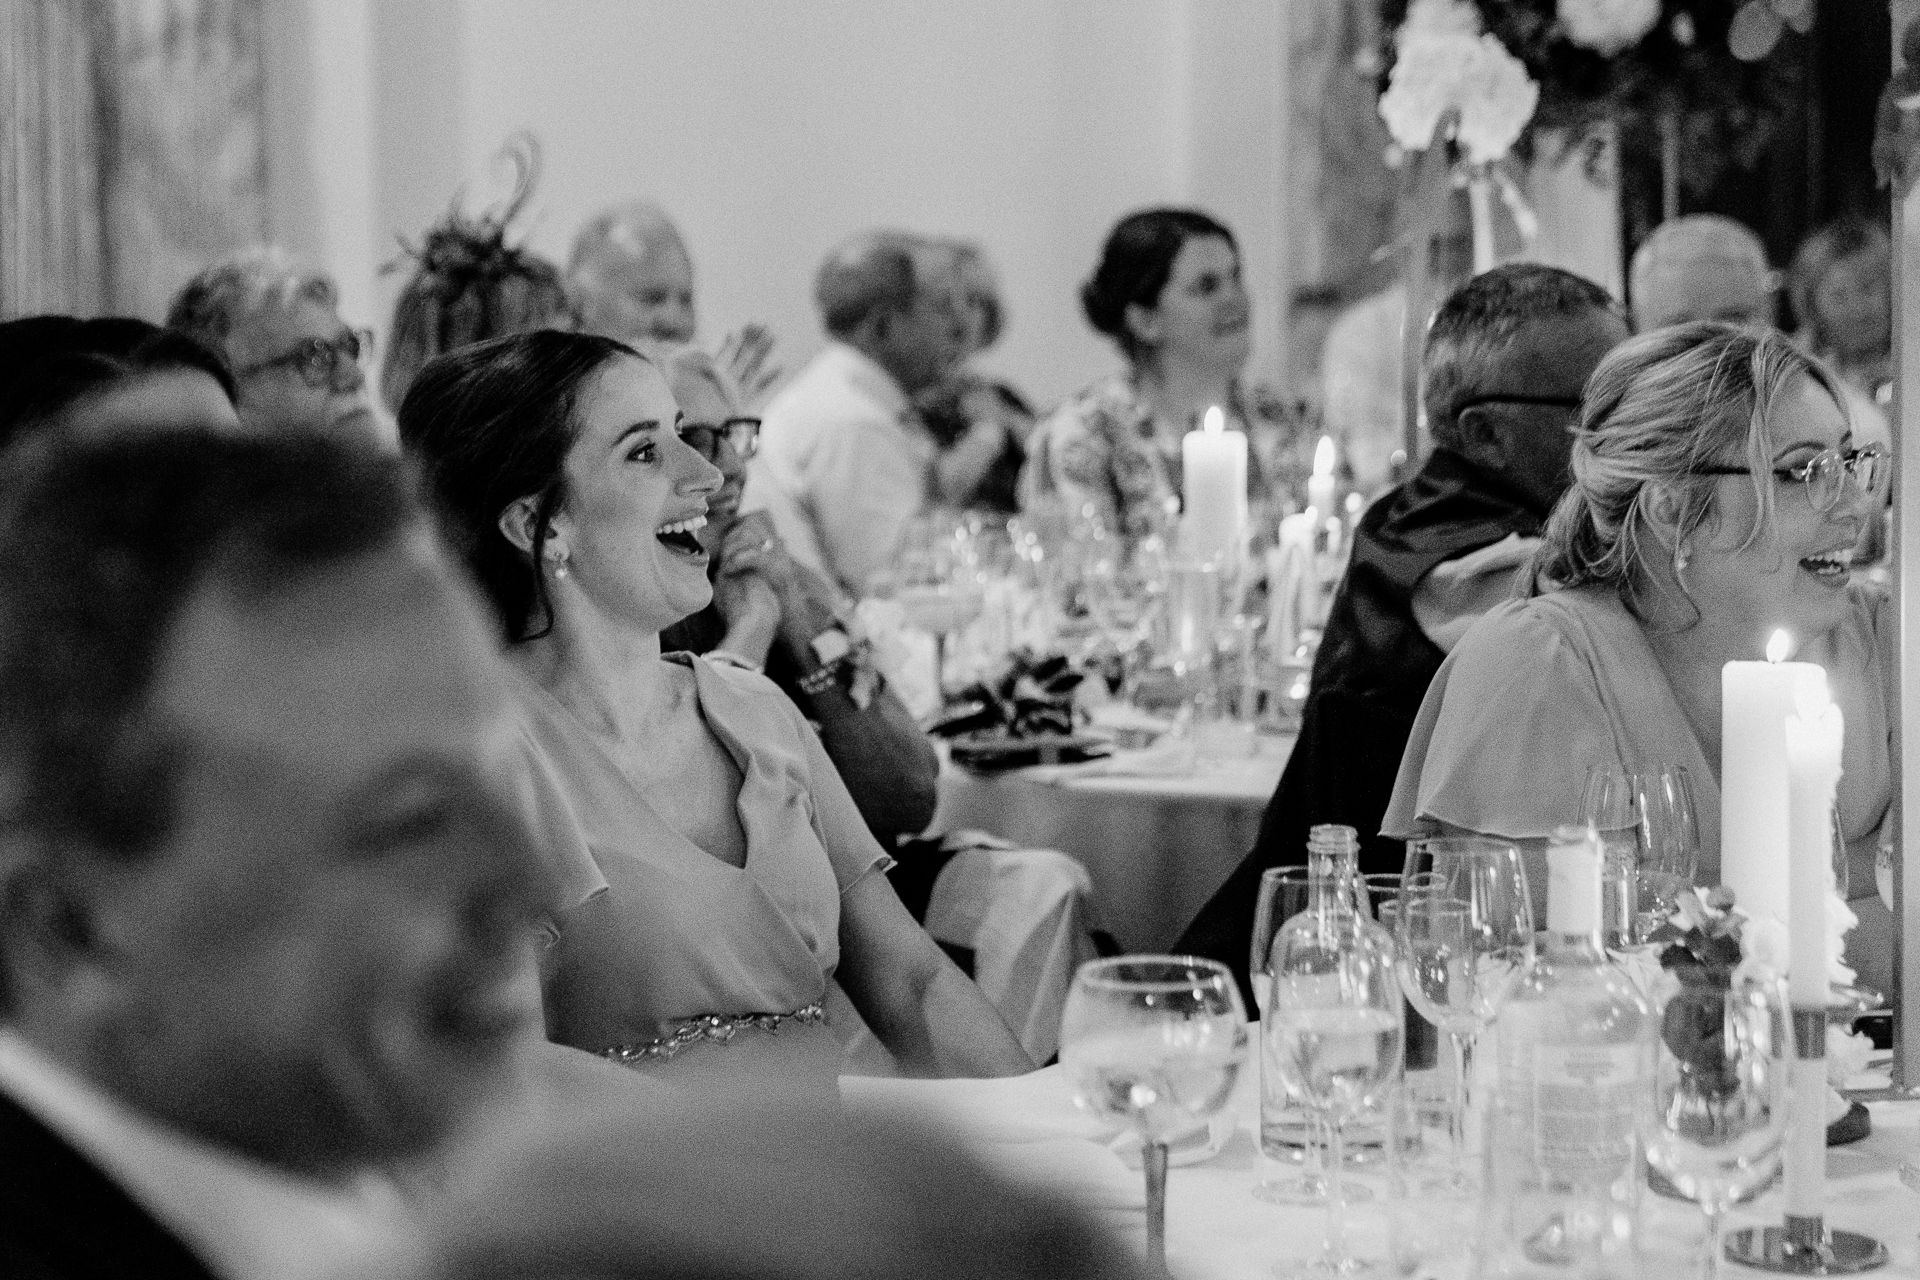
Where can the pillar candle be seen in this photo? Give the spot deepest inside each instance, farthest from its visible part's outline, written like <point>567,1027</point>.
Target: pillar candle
<point>1755,700</point>
<point>1814,736</point>
<point>1214,491</point>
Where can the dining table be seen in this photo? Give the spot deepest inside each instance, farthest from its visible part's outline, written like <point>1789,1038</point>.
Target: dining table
<point>1028,1129</point>
<point>1157,835</point>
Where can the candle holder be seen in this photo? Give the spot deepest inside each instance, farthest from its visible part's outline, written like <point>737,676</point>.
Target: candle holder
<point>1803,1245</point>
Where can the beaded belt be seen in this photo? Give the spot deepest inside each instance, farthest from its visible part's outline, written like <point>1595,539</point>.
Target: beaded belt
<point>711,1028</point>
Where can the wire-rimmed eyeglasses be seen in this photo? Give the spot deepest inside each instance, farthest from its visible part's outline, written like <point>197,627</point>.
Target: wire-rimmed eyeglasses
<point>743,434</point>
<point>318,361</point>
<point>1828,474</point>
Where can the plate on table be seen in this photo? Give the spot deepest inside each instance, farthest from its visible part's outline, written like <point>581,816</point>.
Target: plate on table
<point>996,750</point>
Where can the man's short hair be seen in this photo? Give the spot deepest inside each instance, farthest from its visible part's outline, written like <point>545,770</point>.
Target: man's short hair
<point>620,234</point>
<point>108,537</point>
<point>870,273</point>
<point>1481,318</point>
<point>1680,246</point>
<point>223,296</point>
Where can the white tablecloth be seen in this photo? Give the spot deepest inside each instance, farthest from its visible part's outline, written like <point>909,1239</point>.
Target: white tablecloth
<point>1157,847</point>
<point>1028,1128</point>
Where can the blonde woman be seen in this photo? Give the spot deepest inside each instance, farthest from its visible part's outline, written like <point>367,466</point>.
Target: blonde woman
<point>1717,496</point>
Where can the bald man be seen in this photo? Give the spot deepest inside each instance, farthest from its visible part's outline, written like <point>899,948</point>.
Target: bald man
<point>633,278</point>
<point>1701,267</point>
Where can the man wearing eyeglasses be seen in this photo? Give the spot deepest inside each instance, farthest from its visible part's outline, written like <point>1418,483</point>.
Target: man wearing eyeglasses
<point>295,363</point>
<point>1506,358</point>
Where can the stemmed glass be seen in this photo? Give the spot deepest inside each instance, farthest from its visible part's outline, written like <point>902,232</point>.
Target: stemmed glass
<point>1647,827</point>
<point>1284,895</point>
<point>935,586</point>
<point>1720,1096</point>
<point>1465,934</point>
<point>1153,1043</point>
<point>1335,1011</point>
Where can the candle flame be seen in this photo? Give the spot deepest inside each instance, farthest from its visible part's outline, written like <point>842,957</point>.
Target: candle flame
<point>1213,422</point>
<point>1353,504</point>
<point>1779,644</point>
<point>1323,457</point>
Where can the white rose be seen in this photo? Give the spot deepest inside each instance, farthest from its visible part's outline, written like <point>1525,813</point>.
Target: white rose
<point>1847,1054</point>
<point>1608,26</point>
<point>1424,85</point>
<point>1840,922</point>
<point>1496,101</point>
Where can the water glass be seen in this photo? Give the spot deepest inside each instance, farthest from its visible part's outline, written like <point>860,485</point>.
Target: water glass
<point>1464,934</point>
<point>1153,1043</point>
<point>1720,1096</point>
<point>1334,1031</point>
<point>1647,826</point>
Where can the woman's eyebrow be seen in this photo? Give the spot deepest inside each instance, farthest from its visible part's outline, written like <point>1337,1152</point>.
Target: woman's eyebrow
<point>648,424</point>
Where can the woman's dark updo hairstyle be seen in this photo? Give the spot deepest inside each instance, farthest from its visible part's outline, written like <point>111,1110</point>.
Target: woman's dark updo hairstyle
<point>1135,265</point>
<point>50,363</point>
<point>492,423</point>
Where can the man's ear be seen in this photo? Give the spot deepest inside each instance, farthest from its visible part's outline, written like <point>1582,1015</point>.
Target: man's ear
<point>1481,438</point>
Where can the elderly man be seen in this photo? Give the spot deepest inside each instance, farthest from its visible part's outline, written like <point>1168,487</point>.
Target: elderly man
<point>633,278</point>
<point>845,462</point>
<point>1701,267</point>
<point>1505,362</point>
<point>295,363</point>
<point>264,914</point>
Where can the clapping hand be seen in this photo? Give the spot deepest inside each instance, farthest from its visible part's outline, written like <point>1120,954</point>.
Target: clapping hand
<point>744,355</point>
<point>751,547</point>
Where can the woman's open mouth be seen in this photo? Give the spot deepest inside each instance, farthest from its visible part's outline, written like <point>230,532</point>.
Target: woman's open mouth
<point>681,536</point>
<point>1830,566</point>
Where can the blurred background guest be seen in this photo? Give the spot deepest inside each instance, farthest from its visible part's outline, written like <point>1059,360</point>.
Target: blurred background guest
<point>1168,292</point>
<point>1717,496</point>
<point>1701,267</point>
<point>264,902</point>
<point>742,879</point>
<point>633,278</point>
<point>1505,360</point>
<point>110,373</point>
<point>1841,287</point>
<point>980,423</point>
<point>469,285</point>
<point>751,1191</point>
<point>771,612</point>
<point>845,462</point>
<point>296,365</point>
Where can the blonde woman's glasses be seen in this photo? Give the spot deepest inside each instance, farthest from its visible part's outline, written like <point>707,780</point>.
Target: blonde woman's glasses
<point>1828,474</point>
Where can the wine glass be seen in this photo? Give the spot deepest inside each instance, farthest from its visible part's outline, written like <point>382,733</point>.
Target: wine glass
<point>1720,1096</point>
<point>934,585</point>
<point>1647,827</point>
<point>1285,1126</point>
<point>1153,1043</point>
<point>1465,934</point>
<point>1335,1035</point>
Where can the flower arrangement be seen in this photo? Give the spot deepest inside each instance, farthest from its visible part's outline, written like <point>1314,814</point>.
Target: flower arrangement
<point>1451,77</point>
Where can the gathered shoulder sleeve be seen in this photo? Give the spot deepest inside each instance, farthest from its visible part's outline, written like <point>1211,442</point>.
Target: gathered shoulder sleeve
<point>1506,734</point>
<point>574,876</point>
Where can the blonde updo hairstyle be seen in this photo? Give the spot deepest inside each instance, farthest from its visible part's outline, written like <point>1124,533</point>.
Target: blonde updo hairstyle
<point>1657,410</point>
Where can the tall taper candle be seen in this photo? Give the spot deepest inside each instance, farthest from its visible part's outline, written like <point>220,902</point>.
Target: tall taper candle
<point>1813,736</point>
<point>1755,700</point>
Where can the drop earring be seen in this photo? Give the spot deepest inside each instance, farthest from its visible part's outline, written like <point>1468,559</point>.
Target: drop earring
<point>1680,560</point>
<point>559,565</point>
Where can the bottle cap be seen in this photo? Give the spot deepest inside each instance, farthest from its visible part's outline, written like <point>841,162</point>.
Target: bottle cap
<point>1573,881</point>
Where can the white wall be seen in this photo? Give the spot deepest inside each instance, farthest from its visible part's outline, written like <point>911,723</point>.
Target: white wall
<point>771,129</point>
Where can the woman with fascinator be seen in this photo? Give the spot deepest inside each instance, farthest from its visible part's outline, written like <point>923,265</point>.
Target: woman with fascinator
<point>470,285</point>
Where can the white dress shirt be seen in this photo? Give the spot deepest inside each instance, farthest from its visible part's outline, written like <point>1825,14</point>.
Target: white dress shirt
<point>844,463</point>
<point>244,1220</point>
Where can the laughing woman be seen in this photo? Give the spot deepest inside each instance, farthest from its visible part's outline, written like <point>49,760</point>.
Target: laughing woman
<point>740,879</point>
<point>1717,495</point>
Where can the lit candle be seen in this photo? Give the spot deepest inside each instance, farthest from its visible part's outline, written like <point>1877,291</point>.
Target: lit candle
<point>1214,486</point>
<point>1814,735</point>
<point>1320,483</point>
<point>1755,700</point>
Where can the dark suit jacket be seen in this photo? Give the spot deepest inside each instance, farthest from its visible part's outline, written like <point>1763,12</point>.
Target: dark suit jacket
<point>61,1218</point>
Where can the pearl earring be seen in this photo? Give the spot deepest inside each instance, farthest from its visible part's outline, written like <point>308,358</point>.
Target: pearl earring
<point>558,564</point>
<point>1680,560</point>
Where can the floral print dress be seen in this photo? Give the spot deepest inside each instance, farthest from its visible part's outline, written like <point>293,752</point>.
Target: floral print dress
<point>1098,454</point>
